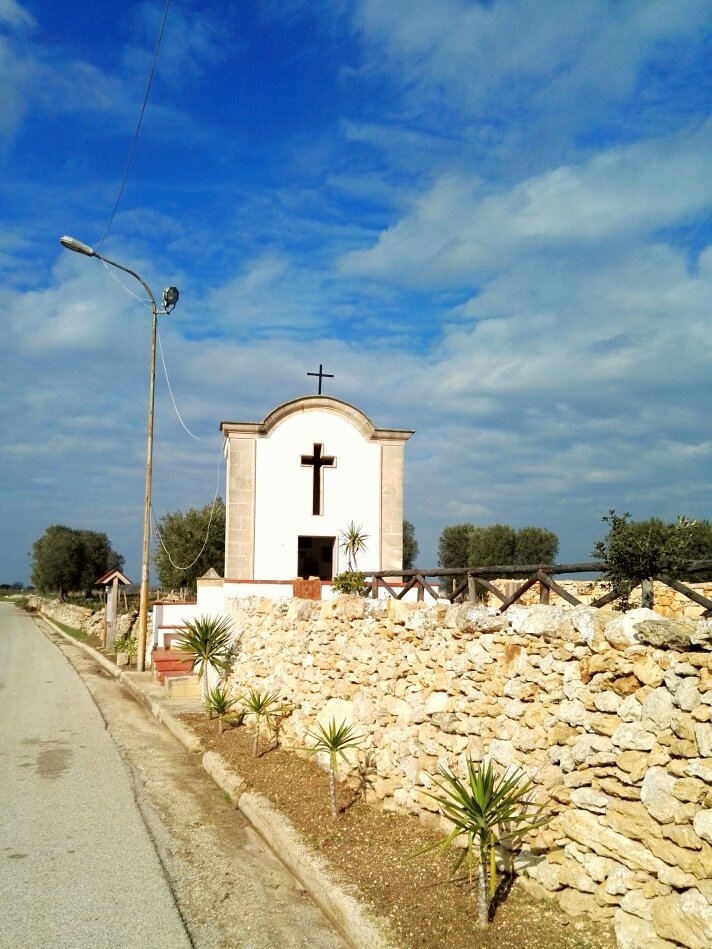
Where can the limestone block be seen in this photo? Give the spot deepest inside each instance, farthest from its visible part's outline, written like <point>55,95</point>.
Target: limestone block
<point>574,875</point>
<point>679,633</point>
<point>619,881</point>
<point>703,737</point>
<point>547,875</point>
<point>699,768</point>
<point>632,736</point>
<point>615,788</point>
<point>685,918</point>
<point>698,862</point>
<point>590,800</point>
<point>676,878</point>
<point>604,724</point>
<point>607,702</point>
<point>632,932</point>
<point>588,749</point>
<point>648,671</point>
<point>634,902</point>
<point>630,709</point>
<point>590,624</point>
<point>471,619</point>
<point>587,829</point>
<point>688,695</point>
<point>656,712</point>
<point>398,611</point>
<point>683,727</point>
<point>682,835</point>
<point>436,702</point>
<point>626,684</point>
<point>634,762</point>
<point>656,795</point>
<point>631,819</point>
<point>702,825</point>
<point>621,632</point>
<point>576,903</point>
<point>573,713</point>
<point>599,868</point>
<point>502,752</point>
<point>549,622</point>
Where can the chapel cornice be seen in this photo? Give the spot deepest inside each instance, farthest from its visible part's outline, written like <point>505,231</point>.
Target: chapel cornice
<point>321,403</point>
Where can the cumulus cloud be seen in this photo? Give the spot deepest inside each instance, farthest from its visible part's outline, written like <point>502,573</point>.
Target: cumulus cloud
<point>457,229</point>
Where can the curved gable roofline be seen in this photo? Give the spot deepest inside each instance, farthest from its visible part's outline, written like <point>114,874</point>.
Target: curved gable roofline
<point>321,403</point>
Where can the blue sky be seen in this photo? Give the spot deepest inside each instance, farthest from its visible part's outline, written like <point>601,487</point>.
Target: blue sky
<point>492,221</point>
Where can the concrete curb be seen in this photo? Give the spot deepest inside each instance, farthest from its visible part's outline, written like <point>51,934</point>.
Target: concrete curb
<point>359,926</point>
<point>155,706</point>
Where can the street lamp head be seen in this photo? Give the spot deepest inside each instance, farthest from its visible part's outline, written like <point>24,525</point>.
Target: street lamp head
<point>170,298</point>
<point>71,243</point>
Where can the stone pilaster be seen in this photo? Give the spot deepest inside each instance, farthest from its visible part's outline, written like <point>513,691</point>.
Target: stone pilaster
<point>392,505</point>
<point>240,507</point>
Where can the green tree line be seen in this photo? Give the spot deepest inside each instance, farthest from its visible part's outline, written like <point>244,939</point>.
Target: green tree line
<point>465,545</point>
<point>65,560</point>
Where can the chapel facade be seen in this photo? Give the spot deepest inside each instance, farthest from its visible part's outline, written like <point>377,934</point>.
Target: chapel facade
<point>295,482</point>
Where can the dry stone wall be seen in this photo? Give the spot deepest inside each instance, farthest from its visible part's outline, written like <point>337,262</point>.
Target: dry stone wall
<point>89,621</point>
<point>609,713</point>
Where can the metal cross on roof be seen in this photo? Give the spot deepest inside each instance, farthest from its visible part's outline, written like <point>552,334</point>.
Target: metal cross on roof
<point>322,375</point>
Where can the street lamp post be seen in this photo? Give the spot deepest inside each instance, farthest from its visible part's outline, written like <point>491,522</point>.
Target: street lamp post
<point>170,298</point>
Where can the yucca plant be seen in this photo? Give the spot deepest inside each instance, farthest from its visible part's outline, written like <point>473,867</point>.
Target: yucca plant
<point>219,702</point>
<point>208,641</point>
<point>352,543</point>
<point>334,740</point>
<point>486,809</point>
<point>263,706</point>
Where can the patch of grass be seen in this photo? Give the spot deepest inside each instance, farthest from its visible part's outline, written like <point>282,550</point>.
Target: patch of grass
<point>71,631</point>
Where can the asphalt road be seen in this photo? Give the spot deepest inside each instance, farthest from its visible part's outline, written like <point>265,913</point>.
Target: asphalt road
<point>111,834</point>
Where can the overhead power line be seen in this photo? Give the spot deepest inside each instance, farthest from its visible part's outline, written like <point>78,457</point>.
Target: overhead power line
<point>138,124</point>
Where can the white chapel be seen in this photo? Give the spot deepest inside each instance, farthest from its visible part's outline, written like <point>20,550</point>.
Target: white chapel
<point>296,480</point>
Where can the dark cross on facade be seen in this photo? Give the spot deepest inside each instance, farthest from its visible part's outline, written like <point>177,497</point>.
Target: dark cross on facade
<point>322,375</point>
<point>318,462</point>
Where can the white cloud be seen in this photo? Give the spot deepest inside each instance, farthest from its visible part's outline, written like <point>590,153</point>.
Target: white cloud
<point>457,230</point>
<point>521,53</point>
<point>15,16</point>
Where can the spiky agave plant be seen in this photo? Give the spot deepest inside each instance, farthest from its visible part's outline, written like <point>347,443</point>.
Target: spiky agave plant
<point>263,706</point>
<point>334,740</point>
<point>219,701</point>
<point>485,809</point>
<point>208,641</point>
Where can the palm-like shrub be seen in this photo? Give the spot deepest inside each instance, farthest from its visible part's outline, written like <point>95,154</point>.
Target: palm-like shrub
<point>350,581</point>
<point>333,740</point>
<point>208,641</point>
<point>353,541</point>
<point>263,706</point>
<point>219,701</point>
<point>486,809</point>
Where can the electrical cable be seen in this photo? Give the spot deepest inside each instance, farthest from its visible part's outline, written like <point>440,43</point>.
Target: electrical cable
<point>207,531</point>
<point>138,126</point>
<point>123,286</point>
<point>170,390</point>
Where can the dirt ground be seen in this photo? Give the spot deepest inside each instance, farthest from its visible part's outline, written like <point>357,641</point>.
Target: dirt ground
<point>376,850</point>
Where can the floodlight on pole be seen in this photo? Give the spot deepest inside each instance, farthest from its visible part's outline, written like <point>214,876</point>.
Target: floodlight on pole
<point>170,298</point>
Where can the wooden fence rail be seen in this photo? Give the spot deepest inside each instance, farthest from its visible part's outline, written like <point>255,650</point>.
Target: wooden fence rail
<point>467,581</point>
